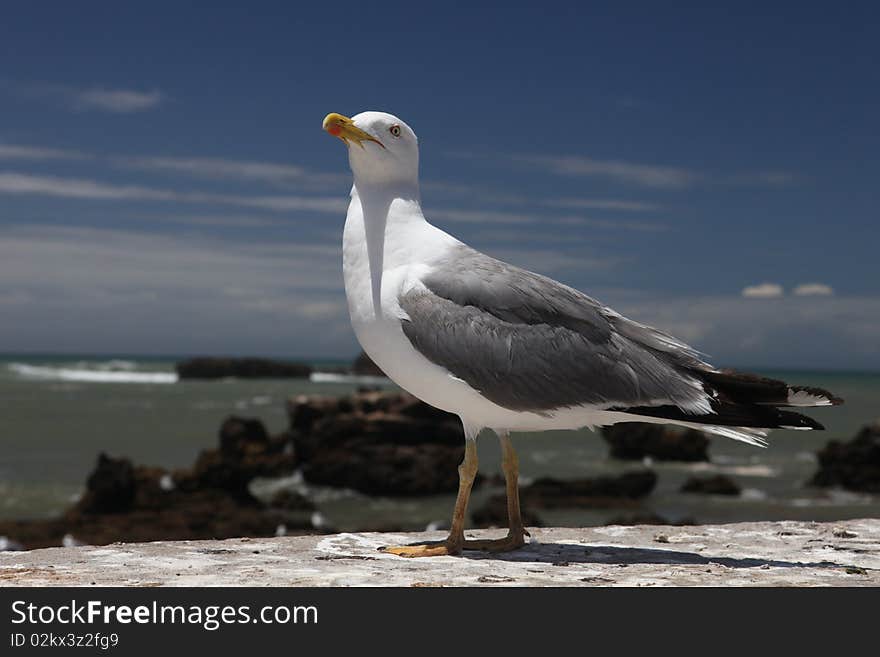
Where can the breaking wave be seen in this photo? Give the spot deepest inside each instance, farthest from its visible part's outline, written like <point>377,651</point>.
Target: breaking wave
<point>331,377</point>
<point>113,371</point>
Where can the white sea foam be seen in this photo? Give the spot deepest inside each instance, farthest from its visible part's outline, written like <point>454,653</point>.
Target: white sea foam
<point>329,377</point>
<point>96,373</point>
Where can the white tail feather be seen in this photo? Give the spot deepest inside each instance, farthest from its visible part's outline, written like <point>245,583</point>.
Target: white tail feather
<point>749,435</point>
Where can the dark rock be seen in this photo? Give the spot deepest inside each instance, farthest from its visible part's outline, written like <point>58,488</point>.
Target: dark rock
<point>110,487</point>
<point>494,514</point>
<point>641,518</point>
<point>155,505</point>
<point>412,407</point>
<point>291,501</point>
<point>242,368</point>
<point>303,411</point>
<point>854,465</point>
<point>633,441</point>
<point>378,443</point>
<point>596,492</point>
<point>711,485</point>
<point>377,468</point>
<point>239,436</point>
<point>8,545</point>
<point>648,518</point>
<point>363,365</point>
<point>593,493</point>
<point>246,451</point>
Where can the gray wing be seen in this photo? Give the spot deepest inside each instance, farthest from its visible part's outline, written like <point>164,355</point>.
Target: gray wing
<point>529,343</point>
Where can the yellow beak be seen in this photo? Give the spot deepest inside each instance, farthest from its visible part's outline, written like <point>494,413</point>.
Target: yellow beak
<point>344,128</point>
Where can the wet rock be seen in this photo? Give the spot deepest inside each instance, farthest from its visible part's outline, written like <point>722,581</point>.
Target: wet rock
<point>711,485</point>
<point>378,443</point>
<point>854,465</point>
<point>291,501</point>
<point>595,492</point>
<point>8,545</point>
<point>633,441</point>
<point>303,410</point>
<point>127,502</point>
<point>363,365</point>
<point>493,513</point>
<point>110,488</point>
<point>246,451</point>
<point>155,514</point>
<point>379,468</point>
<point>240,436</point>
<point>641,518</point>
<point>241,368</point>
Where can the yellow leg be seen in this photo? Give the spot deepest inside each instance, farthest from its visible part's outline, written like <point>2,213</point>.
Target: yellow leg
<point>453,544</point>
<point>516,533</point>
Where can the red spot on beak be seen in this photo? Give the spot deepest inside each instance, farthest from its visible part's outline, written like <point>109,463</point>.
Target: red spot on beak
<point>334,129</point>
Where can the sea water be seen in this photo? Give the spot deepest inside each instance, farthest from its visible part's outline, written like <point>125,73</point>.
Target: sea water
<point>58,413</point>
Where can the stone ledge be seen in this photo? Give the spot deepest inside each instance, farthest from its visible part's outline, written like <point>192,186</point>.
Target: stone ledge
<point>785,553</point>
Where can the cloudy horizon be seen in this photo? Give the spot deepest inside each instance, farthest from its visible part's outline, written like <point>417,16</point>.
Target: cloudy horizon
<point>187,201</point>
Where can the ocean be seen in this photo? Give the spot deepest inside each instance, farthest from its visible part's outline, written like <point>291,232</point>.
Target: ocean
<point>57,414</point>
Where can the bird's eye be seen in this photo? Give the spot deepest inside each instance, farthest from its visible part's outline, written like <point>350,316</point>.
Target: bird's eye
<point>394,130</point>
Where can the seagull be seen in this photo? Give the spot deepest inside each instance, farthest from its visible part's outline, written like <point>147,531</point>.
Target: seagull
<point>510,350</point>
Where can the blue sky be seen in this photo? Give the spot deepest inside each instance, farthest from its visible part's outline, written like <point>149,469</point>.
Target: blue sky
<point>165,186</point>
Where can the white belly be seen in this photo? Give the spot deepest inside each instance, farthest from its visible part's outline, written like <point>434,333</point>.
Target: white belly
<point>409,249</point>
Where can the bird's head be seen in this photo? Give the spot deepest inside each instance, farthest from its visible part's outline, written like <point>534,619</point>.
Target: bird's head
<point>381,147</point>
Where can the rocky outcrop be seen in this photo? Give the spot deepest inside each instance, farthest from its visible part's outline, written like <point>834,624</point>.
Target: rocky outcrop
<point>363,365</point>
<point>246,451</point>
<point>602,492</point>
<point>594,492</point>
<point>241,368</point>
<point>377,443</point>
<point>711,485</point>
<point>127,502</point>
<point>854,465</point>
<point>634,441</point>
<point>493,513</point>
<point>646,518</point>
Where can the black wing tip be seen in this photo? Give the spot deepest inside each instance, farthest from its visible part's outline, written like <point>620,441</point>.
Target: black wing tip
<point>747,388</point>
<point>804,422</point>
<point>732,415</point>
<point>820,393</point>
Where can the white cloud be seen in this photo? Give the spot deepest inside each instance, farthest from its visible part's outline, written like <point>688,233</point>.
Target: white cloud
<point>813,289</point>
<point>616,224</point>
<point>29,184</point>
<point>521,218</point>
<point>791,332</point>
<point>119,290</point>
<point>118,101</point>
<point>18,152</point>
<point>548,261</point>
<point>221,221</point>
<point>658,176</point>
<point>641,174</point>
<point>480,216</point>
<point>602,204</point>
<point>223,168</point>
<point>322,309</point>
<point>763,291</point>
<point>25,183</point>
<point>765,179</point>
<point>134,291</point>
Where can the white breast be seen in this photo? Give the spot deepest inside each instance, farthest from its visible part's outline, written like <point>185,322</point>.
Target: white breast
<point>411,245</point>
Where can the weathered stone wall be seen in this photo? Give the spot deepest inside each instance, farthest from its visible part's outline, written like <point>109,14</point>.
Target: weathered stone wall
<point>746,554</point>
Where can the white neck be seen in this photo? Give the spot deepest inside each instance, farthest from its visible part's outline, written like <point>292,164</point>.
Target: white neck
<point>385,209</point>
